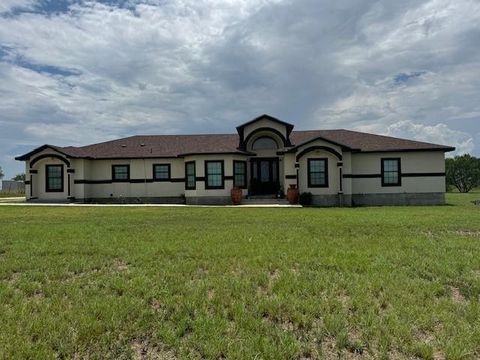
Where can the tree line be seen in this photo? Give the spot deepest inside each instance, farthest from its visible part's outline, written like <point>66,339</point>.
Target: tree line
<point>18,177</point>
<point>463,172</point>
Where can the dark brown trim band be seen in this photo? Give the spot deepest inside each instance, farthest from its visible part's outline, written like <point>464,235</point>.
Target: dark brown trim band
<point>325,148</point>
<point>290,176</point>
<point>286,141</point>
<point>61,158</point>
<point>371,176</point>
<point>361,176</point>
<point>70,171</point>
<point>131,181</point>
<point>423,174</point>
<point>33,171</point>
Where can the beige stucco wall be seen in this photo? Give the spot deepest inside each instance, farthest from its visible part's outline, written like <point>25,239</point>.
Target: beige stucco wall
<point>333,175</point>
<point>200,190</point>
<point>288,168</point>
<point>347,169</point>
<point>411,162</point>
<point>139,169</point>
<point>333,169</point>
<point>39,178</point>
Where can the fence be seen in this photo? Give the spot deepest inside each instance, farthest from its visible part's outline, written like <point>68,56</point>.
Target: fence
<point>12,186</point>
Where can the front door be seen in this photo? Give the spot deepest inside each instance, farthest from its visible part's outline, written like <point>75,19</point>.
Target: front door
<point>264,179</point>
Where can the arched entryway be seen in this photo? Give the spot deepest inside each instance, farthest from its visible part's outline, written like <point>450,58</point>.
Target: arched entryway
<point>264,168</point>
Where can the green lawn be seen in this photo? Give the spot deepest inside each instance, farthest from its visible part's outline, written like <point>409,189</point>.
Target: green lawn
<point>11,194</point>
<point>119,283</point>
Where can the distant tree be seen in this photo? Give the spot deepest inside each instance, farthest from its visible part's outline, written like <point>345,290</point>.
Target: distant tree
<point>1,173</point>
<point>463,172</point>
<point>19,177</point>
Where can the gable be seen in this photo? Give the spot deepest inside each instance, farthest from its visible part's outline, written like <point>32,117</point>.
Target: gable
<point>264,123</point>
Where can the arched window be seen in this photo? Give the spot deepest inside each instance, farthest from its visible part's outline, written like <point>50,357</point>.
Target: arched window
<point>264,143</point>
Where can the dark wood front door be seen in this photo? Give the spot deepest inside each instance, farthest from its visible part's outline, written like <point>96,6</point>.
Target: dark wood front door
<point>264,176</point>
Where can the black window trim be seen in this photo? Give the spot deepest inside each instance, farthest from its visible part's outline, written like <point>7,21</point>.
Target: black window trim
<point>154,174</point>
<point>47,188</point>
<point>399,182</point>
<point>222,186</point>
<point>121,180</point>
<point>194,175</point>
<point>244,175</point>
<point>310,185</point>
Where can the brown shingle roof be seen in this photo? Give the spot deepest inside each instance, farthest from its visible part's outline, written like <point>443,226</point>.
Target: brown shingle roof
<point>364,142</point>
<point>148,146</point>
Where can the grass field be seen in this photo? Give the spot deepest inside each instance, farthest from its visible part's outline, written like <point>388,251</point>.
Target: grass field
<point>239,283</point>
<point>11,194</point>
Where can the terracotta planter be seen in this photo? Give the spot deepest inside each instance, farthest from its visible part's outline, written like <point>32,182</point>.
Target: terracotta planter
<point>292,194</point>
<point>236,194</point>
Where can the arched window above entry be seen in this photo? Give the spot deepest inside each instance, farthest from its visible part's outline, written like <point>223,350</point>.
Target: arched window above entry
<point>264,143</point>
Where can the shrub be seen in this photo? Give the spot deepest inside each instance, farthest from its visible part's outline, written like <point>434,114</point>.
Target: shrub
<point>305,198</point>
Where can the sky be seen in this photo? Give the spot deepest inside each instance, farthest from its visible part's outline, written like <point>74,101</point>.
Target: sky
<point>80,72</point>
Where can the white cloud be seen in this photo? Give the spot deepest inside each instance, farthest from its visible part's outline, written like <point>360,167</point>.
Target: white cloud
<point>184,66</point>
<point>9,5</point>
<point>438,134</point>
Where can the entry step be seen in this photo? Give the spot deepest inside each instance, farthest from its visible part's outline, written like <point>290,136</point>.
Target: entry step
<point>253,200</point>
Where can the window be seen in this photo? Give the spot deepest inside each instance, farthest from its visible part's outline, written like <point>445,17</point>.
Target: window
<point>120,173</point>
<point>264,143</point>
<point>214,174</point>
<point>391,175</point>
<point>317,172</point>
<point>54,178</point>
<point>161,171</point>
<point>190,181</point>
<point>240,174</point>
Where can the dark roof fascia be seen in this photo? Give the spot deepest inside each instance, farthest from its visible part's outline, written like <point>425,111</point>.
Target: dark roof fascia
<point>444,149</point>
<point>344,147</point>
<point>271,118</point>
<point>245,153</point>
<point>127,157</point>
<point>28,155</point>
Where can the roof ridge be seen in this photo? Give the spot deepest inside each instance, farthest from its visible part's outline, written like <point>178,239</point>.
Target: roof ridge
<point>210,134</point>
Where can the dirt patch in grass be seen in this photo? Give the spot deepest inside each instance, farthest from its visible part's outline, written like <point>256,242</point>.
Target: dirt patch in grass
<point>439,356</point>
<point>474,233</point>
<point>143,350</point>
<point>120,265</point>
<point>456,295</point>
<point>12,280</point>
<point>460,232</point>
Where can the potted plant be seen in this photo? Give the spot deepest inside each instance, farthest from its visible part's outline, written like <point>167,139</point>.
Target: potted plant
<point>236,195</point>
<point>292,194</point>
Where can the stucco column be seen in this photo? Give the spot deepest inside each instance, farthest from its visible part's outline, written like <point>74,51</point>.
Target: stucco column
<point>32,178</point>
<point>70,182</point>
<point>340,183</point>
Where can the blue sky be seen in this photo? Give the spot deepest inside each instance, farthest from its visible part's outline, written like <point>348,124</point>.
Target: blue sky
<point>78,72</point>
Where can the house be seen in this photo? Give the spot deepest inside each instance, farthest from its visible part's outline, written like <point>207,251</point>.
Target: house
<point>265,156</point>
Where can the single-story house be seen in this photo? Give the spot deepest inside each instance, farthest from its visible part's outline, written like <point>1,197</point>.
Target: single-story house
<point>264,157</point>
